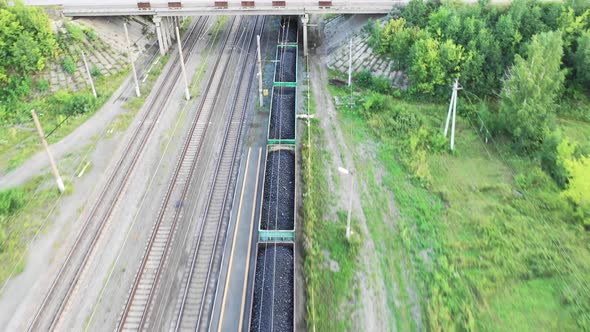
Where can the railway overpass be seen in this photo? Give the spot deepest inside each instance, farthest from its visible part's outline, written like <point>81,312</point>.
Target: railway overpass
<point>165,13</point>
<point>212,7</point>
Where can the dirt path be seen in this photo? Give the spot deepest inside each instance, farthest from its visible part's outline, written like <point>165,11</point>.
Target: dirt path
<point>371,313</point>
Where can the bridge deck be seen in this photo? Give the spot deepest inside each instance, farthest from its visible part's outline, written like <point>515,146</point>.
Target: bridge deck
<point>206,7</point>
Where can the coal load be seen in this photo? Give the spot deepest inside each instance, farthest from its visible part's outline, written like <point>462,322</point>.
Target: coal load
<point>286,69</point>
<point>282,115</point>
<point>289,29</point>
<point>272,308</point>
<point>278,203</point>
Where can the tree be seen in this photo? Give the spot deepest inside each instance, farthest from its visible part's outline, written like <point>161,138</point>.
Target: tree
<point>530,91</point>
<point>416,13</point>
<point>578,188</point>
<point>426,70</point>
<point>582,60</point>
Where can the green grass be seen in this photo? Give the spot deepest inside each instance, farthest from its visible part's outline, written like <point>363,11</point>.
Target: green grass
<point>330,293</point>
<point>19,227</point>
<point>20,141</point>
<point>485,229</point>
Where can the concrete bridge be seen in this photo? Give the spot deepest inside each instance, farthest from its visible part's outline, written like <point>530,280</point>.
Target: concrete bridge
<point>166,13</point>
<point>213,7</point>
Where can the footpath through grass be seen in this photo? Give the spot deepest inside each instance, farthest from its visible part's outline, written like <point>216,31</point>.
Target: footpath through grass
<point>484,229</point>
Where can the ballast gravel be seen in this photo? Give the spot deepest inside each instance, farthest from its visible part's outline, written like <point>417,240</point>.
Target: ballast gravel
<point>272,308</point>
<point>282,115</point>
<point>278,202</point>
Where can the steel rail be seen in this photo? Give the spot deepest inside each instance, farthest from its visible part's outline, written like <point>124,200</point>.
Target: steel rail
<point>224,170</point>
<point>136,139</point>
<point>159,228</point>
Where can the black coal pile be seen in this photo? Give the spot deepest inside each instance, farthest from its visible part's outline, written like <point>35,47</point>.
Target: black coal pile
<point>286,69</point>
<point>272,309</point>
<point>282,115</point>
<point>289,29</point>
<point>278,203</point>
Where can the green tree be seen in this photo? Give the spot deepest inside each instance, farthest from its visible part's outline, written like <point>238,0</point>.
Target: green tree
<point>582,60</point>
<point>426,70</point>
<point>578,188</point>
<point>416,13</point>
<point>528,98</point>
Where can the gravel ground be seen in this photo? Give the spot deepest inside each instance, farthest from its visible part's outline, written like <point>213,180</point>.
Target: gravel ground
<point>279,191</point>
<point>286,66</point>
<point>282,116</point>
<point>273,289</point>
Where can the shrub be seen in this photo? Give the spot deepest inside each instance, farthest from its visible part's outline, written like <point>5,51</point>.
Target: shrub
<point>42,85</point>
<point>10,201</point>
<point>75,32</point>
<point>90,34</point>
<point>68,65</point>
<point>95,72</point>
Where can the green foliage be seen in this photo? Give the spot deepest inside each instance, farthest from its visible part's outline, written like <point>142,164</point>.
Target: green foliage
<point>582,60</point>
<point>578,188</point>
<point>75,32</point>
<point>531,89</point>
<point>416,12</point>
<point>42,85</point>
<point>426,69</point>
<point>94,71</point>
<point>90,34</point>
<point>26,44</point>
<point>10,201</point>
<point>68,65</point>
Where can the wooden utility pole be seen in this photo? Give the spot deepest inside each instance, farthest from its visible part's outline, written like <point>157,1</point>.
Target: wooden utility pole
<point>186,92</point>
<point>137,92</point>
<point>259,71</point>
<point>58,180</point>
<point>89,75</point>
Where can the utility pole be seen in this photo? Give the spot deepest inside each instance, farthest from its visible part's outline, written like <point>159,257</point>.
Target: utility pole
<point>188,96</point>
<point>350,64</point>
<point>137,92</point>
<point>88,72</point>
<point>452,112</point>
<point>259,71</point>
<point>58,180</point>
<point>351,174</point>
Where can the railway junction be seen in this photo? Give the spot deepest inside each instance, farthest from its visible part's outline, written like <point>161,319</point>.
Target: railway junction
<point>198,230</point>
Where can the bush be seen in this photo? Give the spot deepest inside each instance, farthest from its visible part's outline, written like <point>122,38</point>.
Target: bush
<point>42,85</point>
<point>90,34</point>
<point>551,162</point>
<point>10,201</point>
<point>95,72</point>
<point>75,32</point>
<point>68,65</point>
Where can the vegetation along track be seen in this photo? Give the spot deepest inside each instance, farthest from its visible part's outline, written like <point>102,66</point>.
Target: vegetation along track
<point>137,312</point>
<point>197,292</point>
<point>63,285</point>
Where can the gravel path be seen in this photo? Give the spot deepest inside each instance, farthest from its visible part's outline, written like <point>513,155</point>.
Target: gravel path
<point>278,205</point>
<point>282,116</point>
<point>273,289</point>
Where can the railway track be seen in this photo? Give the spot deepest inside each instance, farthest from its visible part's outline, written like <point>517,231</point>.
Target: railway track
<point>136,314</point>
<point>196,302</point>
<point>64,284</point>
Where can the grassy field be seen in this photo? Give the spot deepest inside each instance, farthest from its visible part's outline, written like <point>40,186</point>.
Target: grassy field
<point>329,292</point>
<point>28,217</point>
<point>20,141</point>
<point>482,227</point>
